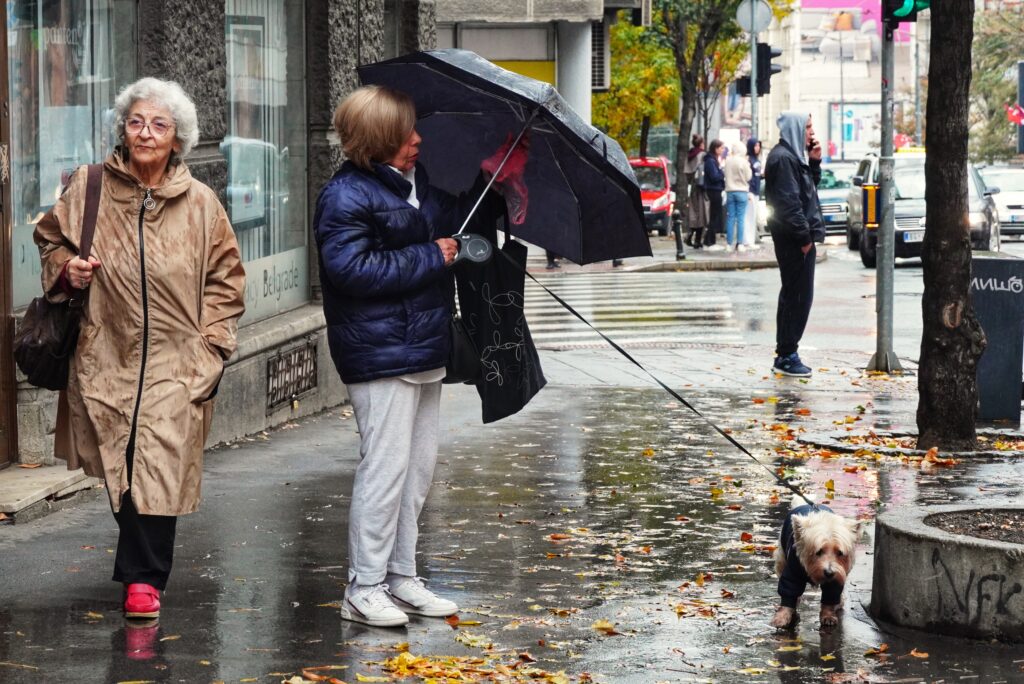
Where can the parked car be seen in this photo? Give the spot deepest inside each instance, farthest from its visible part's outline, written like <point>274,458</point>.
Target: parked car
<point>655,179</point>
<point>836,181</point>
<point>1007,184</point>
<point>909,210</point>
<point>867,172</point>
<point>834,186</point>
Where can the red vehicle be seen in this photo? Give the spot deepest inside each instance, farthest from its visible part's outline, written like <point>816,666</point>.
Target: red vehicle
<point>655,192</point>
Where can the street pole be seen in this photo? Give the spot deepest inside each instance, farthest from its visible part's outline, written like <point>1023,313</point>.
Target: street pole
<point>1020,98</point>
<point>917,89</point>
<point>753,71</point>
<point>884,358</point>
<point>842,100</point>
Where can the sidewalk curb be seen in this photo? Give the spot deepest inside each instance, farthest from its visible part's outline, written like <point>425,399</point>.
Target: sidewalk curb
<point>701,264</point>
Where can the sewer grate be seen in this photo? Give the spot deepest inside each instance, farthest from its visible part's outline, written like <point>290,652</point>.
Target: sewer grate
<point>291,373</point>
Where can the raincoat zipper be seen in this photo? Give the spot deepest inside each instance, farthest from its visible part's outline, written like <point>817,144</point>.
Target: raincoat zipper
<point>146,201</point>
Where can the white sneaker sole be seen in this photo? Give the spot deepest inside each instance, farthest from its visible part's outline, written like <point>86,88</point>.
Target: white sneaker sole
<point>790,374</point>
<point>353,615</point>
<point>414,610</point>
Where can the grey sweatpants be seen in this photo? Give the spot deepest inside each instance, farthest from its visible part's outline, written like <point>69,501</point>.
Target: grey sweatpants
<point>398,425</point>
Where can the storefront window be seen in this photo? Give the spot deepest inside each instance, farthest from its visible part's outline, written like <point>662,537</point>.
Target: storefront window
<point>66,59</point>
<point>265,149</point>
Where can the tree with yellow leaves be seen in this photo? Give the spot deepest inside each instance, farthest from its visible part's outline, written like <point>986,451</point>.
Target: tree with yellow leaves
<point>643,84</point>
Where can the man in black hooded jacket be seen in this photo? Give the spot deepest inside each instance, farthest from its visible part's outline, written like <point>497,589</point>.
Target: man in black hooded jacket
<point>791,178</point>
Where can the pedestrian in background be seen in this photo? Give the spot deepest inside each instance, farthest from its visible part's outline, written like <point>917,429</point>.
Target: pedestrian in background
<point>697,206</point>
<point>384,240</point>
<point>791,179</point>
<point>737,186</point>
<point>165,291</point>
<point>714,185</point>
<point>754,200</point>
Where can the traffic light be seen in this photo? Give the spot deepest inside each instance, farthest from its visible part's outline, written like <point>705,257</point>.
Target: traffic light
<point>897,11</point>
<point>765,69</point>
<point>743,86</point>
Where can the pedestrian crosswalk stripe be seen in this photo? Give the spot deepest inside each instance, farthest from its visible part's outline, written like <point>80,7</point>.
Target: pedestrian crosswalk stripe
<point>633,309</point>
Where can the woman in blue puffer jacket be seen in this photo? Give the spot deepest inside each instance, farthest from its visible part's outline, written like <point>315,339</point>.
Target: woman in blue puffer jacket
<point>383,235</point>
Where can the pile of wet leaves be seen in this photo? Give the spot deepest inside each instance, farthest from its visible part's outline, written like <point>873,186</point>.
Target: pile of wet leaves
<point>994,524</point>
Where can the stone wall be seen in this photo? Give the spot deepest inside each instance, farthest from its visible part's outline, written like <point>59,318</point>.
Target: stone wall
<point>175,44</point>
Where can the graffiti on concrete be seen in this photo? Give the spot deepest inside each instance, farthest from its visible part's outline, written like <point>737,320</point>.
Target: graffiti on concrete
<point>993,590</point>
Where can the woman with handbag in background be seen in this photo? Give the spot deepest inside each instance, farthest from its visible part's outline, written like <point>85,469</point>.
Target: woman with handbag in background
<point>697,206</point>
<point>385,247</point>
<point>163,290</point>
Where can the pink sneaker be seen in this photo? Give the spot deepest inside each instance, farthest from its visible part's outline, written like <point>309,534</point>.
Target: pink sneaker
<point>141,601</point>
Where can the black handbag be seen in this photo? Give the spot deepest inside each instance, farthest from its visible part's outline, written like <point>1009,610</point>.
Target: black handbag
<point>463,358</point>
<point>48,333</point>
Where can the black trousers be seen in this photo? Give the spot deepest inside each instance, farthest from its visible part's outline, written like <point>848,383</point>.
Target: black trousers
<point>145,547</point>
<point>716,217</point>
<point>797,272</point>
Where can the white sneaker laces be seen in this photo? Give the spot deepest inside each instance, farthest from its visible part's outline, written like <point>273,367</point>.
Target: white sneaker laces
<point>377,597</point>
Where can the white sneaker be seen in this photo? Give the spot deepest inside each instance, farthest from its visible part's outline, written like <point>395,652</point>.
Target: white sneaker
<point>371,606</point>
<point>411,596</point>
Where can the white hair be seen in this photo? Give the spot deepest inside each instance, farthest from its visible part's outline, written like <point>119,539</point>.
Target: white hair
<point>167,94</point>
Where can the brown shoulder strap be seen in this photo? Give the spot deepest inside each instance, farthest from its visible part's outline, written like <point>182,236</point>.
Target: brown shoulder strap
<point>93,185</point>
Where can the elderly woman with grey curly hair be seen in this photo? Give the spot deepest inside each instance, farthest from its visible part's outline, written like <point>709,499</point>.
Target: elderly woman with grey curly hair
<point>163,293</point>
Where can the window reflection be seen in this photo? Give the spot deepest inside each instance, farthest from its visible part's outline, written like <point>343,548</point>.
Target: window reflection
<point>66,61</point>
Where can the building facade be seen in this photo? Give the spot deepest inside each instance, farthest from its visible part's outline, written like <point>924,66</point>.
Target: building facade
<point>265,76</point>
<point>562,42</point>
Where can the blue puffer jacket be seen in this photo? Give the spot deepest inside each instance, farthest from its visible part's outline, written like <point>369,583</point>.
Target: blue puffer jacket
<point>387,294</point>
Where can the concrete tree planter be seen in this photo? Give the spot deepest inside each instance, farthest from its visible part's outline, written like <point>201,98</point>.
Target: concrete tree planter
<point>926,578</point>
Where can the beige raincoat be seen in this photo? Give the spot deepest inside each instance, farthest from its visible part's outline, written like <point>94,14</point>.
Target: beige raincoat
<point>161,318</point>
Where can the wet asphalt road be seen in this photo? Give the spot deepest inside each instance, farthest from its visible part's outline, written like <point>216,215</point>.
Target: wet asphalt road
<point>596,503</point>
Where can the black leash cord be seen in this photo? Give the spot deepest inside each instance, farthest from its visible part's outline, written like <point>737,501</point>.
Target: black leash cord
<point>785,483</point>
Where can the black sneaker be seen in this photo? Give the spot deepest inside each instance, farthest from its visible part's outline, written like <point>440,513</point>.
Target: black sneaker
<point>791,365</point>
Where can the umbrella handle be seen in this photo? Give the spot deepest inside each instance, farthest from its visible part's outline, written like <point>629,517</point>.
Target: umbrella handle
<point>473,247</point>
<point>511,148</point>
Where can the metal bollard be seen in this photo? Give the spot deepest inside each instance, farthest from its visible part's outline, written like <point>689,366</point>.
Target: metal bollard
<point>677,230</point>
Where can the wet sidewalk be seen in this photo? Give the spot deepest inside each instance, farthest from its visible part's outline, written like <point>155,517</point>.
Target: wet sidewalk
<point>664,258</point>
<point>604,533</point>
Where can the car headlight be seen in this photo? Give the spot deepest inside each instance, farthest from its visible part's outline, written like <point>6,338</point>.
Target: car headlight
<point>661,202</point>
<point>976,219</point>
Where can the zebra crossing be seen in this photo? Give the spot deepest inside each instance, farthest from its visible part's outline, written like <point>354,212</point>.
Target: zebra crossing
<point>636,310</point>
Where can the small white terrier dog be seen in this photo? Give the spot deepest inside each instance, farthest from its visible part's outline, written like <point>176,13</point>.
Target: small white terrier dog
<point>816,547</point>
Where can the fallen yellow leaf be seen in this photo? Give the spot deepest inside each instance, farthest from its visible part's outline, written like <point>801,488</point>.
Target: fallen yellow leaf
<point>830,485</point>
<point>918,654</point>
<point>365,678</point>
<point>605,627</point>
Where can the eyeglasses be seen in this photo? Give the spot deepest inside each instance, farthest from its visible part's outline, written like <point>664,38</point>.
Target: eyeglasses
<point>157,127</point>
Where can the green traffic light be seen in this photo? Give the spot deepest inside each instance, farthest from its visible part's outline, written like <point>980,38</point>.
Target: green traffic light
<point>911,6</point>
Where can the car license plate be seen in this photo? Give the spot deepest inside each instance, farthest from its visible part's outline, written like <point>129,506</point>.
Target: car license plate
<point>913,236</point>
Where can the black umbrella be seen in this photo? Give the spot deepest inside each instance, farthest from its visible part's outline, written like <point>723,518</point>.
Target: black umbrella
<point>583,201</point>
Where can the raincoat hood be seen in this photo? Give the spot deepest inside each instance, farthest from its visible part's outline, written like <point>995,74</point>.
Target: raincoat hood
<point>751,142</point>
<point>792,130</point>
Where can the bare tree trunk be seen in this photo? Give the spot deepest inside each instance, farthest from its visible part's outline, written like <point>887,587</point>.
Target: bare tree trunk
<point>645,129</point>
<point>682,148</point>
<point>953,340</point>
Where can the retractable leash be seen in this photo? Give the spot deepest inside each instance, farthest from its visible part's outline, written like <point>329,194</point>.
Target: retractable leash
<point>785,483</point>
<point>475,248</point>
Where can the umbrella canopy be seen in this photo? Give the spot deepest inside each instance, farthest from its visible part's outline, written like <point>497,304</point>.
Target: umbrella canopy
<point>582,199</point>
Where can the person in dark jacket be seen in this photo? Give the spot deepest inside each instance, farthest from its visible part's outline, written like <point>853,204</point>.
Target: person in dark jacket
<point>384,239</point>
<point>714,186</point>
<point>754,198</point>
<point>791,177</point>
